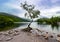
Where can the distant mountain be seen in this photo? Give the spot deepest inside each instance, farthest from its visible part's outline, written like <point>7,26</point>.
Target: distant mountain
<point>13,17</point>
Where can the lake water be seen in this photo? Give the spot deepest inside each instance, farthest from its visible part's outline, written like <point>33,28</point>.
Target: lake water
<point>47,28</point>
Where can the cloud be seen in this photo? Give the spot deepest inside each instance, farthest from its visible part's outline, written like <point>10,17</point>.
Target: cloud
<point>51,12</point>
<point>54,1</point>
<point>48,8</point>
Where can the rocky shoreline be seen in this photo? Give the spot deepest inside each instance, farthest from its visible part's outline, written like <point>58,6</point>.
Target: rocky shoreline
<point>8,36</point>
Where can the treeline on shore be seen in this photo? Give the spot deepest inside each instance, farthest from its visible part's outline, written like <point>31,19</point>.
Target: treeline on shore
<point>7,21</point>
<point>54,21</point>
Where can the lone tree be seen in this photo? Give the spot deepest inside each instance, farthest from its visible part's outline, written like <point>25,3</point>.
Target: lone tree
<point>30,12</point>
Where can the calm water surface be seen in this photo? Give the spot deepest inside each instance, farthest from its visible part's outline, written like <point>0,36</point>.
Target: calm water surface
<point>41,27</point>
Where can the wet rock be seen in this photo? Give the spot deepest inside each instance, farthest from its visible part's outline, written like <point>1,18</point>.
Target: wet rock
<point>51,36</point>
<point>8,39</point>
<point>58,39</point>
<point>36,32</point>
<point>58,35</point>
<point>6,34</point>
<point>15,33</point>
<point>39,30</point>
<point>10,32</point>
<point>46,38</point>
<point>1,33</point>
<point>16,30</point>
<point>45,35</point>
<point>1,37</point>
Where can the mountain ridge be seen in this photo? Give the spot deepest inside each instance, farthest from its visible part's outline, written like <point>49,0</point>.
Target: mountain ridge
<point>15,18</point>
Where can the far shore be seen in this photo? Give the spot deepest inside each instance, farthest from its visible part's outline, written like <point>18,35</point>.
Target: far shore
<point>36,35</point>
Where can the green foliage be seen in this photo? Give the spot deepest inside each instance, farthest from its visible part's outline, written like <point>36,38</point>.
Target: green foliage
<point>30,10</point>
<point>52,20</point>
<point>7,21</point>
<point>42,20</point>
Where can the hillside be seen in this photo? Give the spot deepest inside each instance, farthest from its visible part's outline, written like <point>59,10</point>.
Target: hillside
<point>7,21</point>
<point>14,18</point>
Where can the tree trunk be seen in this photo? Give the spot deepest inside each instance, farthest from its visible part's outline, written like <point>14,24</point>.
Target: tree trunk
<point>30,24</point>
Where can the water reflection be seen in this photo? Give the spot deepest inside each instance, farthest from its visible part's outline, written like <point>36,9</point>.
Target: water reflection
<point>55,26</point>
<point>52,28</point>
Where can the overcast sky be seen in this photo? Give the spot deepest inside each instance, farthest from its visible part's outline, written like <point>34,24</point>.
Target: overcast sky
<point>48,8</point>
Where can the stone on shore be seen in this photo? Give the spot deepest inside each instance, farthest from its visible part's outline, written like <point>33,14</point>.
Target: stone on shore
<point>44,34</point>
<point>8,39</point>
<point>58,39</point>
<point>1,33</point>
<point>58,35</point>
<point>1,37</point>
<point>16,33</point>
<point>10,32</point>
<point>36,32</point>
<point>51,36</point>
